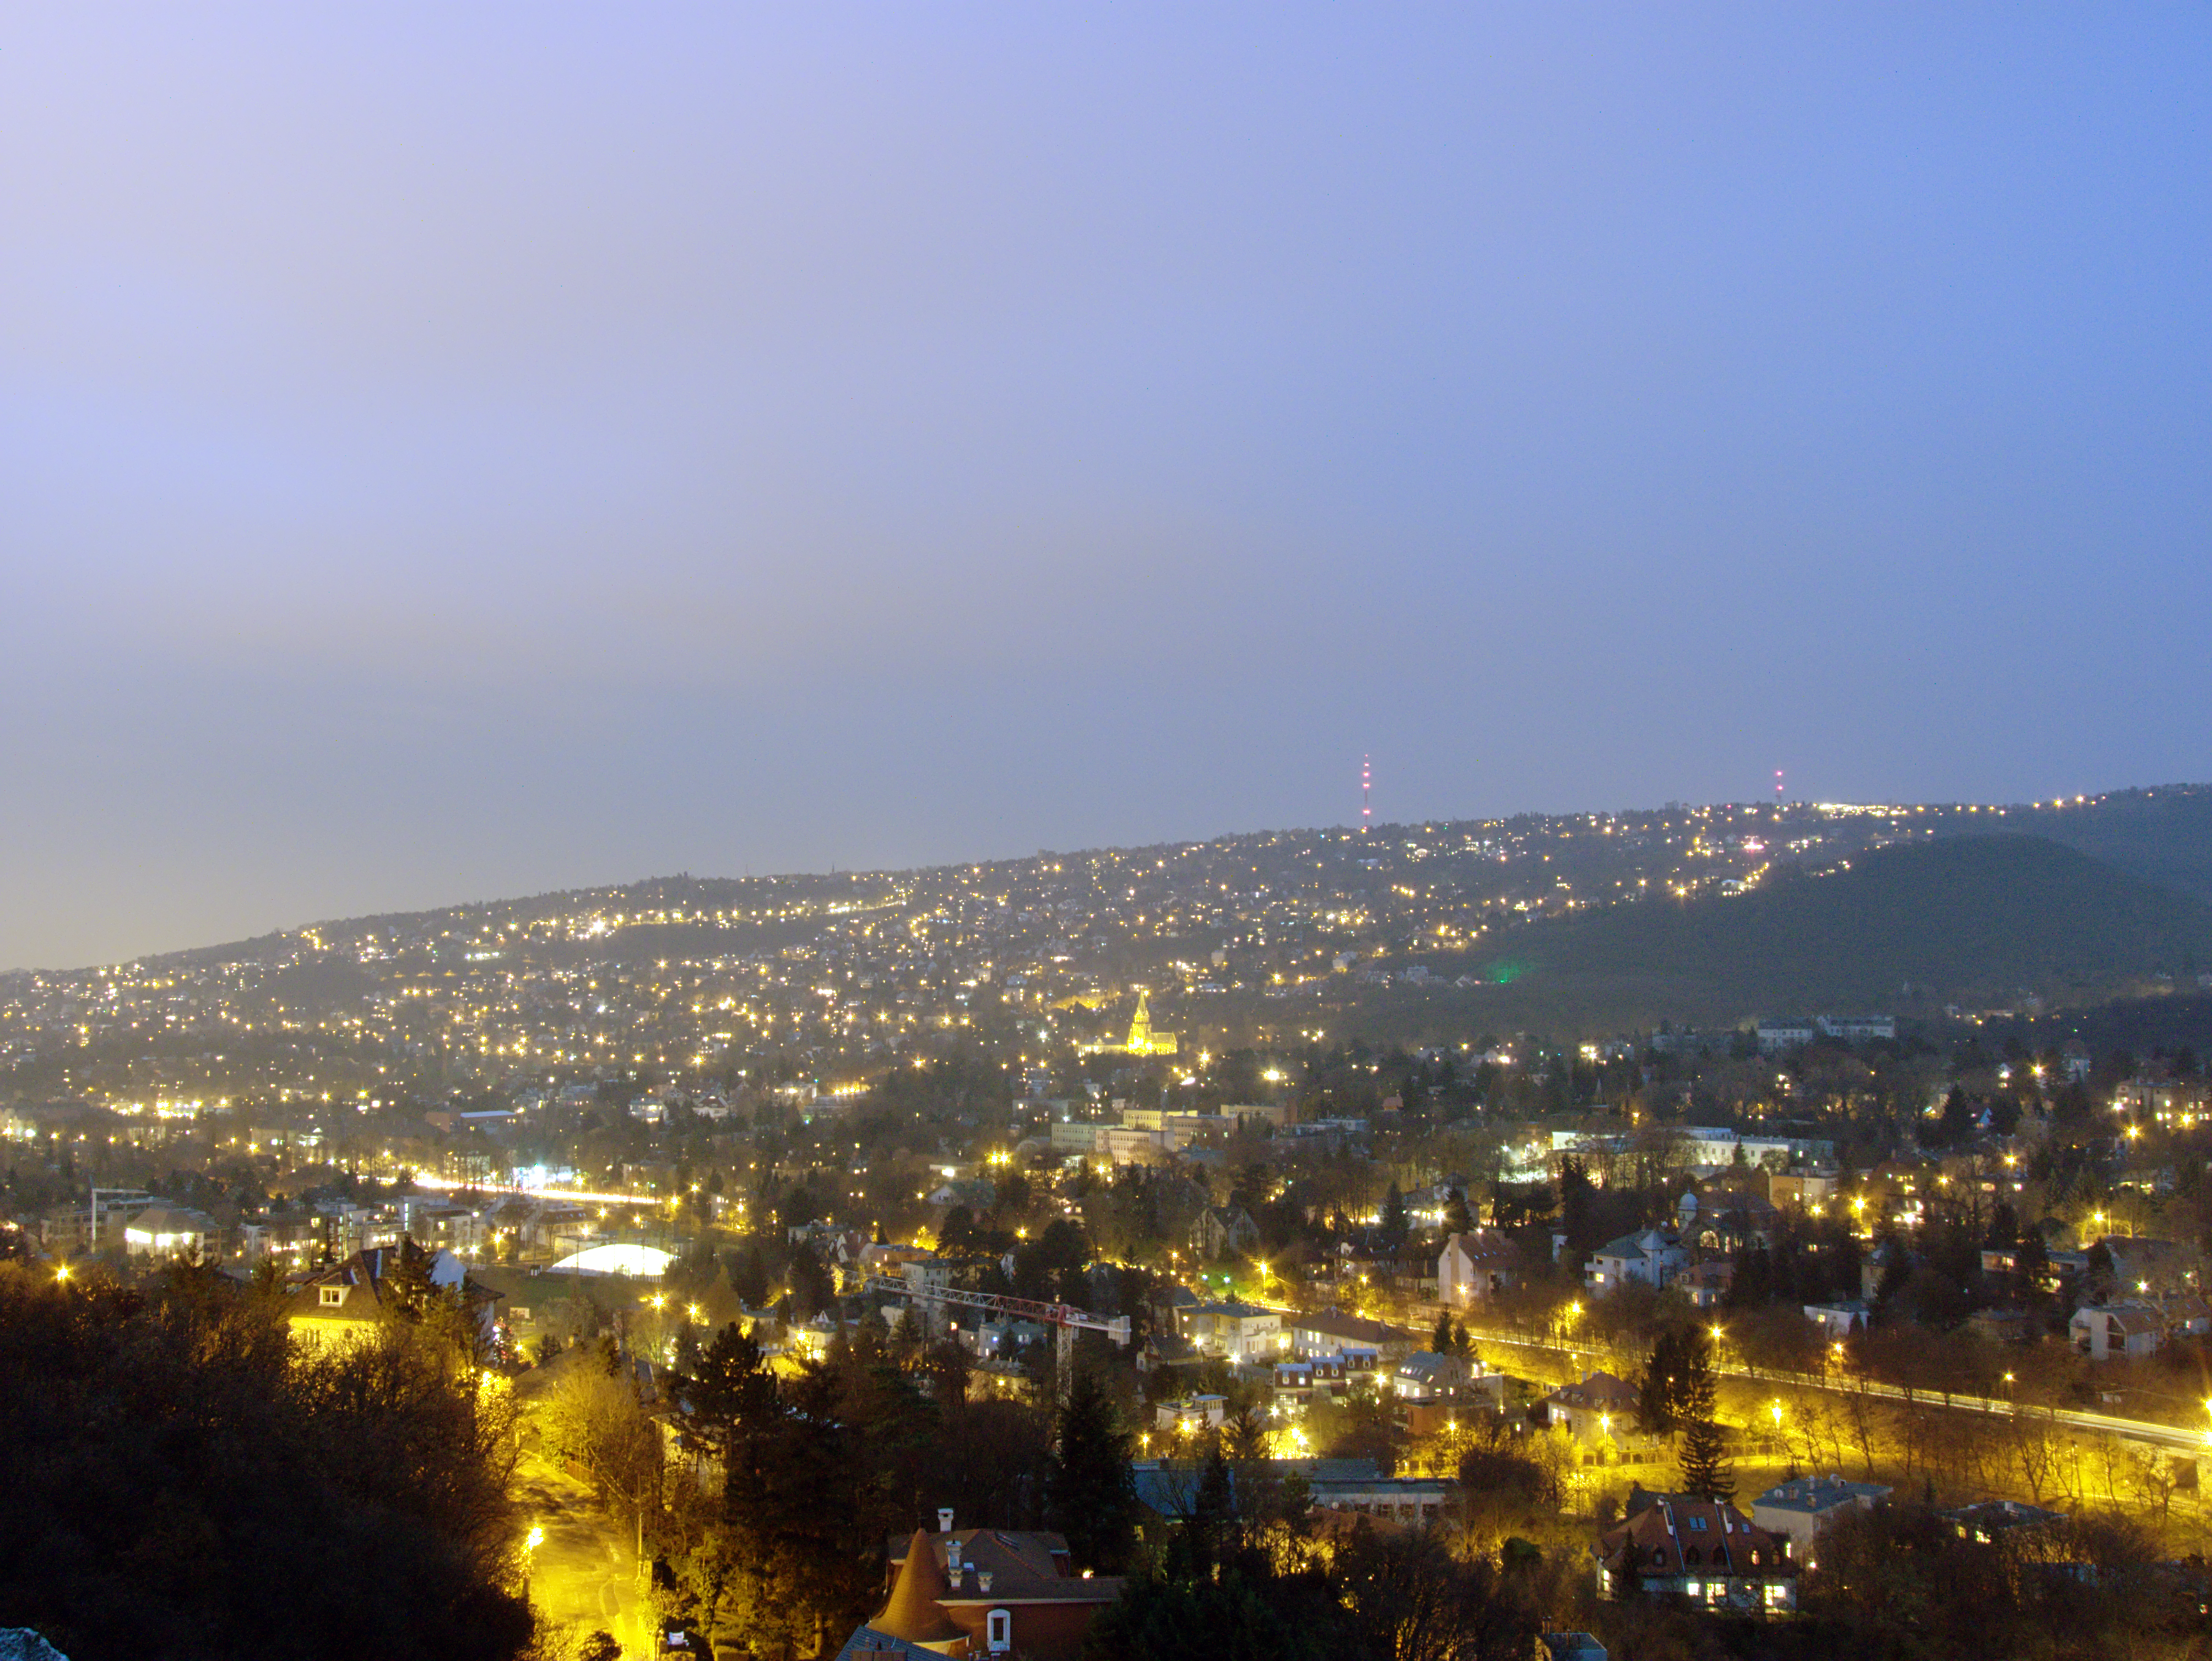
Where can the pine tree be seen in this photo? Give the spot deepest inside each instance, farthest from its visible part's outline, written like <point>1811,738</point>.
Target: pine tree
<point>1458,1220</point>
<point>1441,1343</point>
<point>1090,1492</point>
<point>1705,1471</point>
<point>1657,1390</point>
<point>1393,1214</point>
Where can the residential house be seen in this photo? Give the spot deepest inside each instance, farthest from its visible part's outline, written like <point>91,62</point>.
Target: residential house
<point>1235,1331</point>
<point>1706,1551</point>
<point>2143,1265</point>
<point>1985,1520</point>
<point>982,1592</point>
<point>2103,1332</point>
<point>1803,1508</point>
<point>1838,1321</point>
<point>1327,1375</point>
<point>347,1299</point>
<point>1706,1284</point>
<point>163,1230</point>
<point>1779,1033</point>
<point>1425,1376</point>
<point>2003,1325</point>
<point>2187,1315</point>
<point>1653,1257</point>
<point>1724,1219</point>
<point>1474,1268</point>
<point>1167,1489</point>
<point>1601,1408</point>
<point>1805,1189</point>
<point>1312,1335</point>
<point>1222,1231</point>
<point>1192,1415</point>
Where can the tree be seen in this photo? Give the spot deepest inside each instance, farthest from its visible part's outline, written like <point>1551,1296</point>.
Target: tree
<point>179,1481</point>
<point>1441,1343</point>
<point>1458,1220</point>
<point>1705,1471</point>
<point>594,1419</point>
<point>1658,1388</point>
<point>1393,1215</point>
<point>1090,1491</point>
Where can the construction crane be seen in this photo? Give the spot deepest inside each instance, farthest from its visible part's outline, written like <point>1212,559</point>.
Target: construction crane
<point>1064,1320</point>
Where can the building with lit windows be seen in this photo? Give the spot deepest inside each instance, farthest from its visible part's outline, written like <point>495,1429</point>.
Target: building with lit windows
<point>1704,1550</point>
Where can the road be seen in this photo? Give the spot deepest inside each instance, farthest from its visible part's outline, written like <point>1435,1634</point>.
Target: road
<point>583,1572</point>
<point>2175,1437</point>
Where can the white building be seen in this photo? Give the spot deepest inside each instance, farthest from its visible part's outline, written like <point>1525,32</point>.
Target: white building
<point>1654,1257</point>
<point>2106,1332</point>
<point>1802,1509</point>
<point>167,1231</point>
<point>1474,1268</point>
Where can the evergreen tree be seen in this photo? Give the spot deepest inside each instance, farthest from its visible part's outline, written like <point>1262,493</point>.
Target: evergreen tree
<point>1705,1471</point>
<point>1442,1342</point>
<point>1394,1215</point>
<point>1658,1388</point>
<point>1090,1493</point>
<point>1578,1205</point>
<point>1458,1220</point>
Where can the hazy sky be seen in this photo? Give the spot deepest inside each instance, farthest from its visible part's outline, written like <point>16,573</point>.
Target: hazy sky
<point>457,452</point>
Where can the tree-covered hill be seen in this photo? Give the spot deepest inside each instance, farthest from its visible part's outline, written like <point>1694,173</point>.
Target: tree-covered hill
<point>1976,921</point>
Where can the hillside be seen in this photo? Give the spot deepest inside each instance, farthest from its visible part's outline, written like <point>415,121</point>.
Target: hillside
<point>1969,920</point>
<point>2162,835</point>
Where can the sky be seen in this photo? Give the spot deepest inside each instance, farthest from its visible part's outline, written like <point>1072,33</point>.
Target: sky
<point>452,452</point>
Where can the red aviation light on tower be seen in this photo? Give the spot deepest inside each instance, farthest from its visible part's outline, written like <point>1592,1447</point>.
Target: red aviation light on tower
<point>1366,780</point>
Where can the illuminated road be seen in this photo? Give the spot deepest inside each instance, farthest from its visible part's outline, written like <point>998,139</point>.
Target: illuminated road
<point>2141,1430</point>
<point>583,1574</point>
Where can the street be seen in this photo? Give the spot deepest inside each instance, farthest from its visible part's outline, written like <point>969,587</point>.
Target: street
<point>583,1572</point>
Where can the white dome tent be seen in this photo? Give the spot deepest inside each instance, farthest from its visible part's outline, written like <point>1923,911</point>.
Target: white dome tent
<point>630,1262</point>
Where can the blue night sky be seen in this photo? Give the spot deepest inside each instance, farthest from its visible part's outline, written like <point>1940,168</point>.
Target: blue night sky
<point>456,452</point>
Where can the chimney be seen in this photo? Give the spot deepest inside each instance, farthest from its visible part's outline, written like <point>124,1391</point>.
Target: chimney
<point>952,1557</point>
<point>945,1519</point>
<point>983,1581</point>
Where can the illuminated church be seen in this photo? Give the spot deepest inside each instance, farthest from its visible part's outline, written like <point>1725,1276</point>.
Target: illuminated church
<point>1142,1040</point>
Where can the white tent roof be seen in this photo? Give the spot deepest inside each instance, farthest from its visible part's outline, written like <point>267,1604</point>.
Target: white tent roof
<point>648,1262</point>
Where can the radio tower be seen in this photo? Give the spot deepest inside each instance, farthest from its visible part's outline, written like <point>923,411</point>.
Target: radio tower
<point>1366,779</point>
<point>1777,788</point>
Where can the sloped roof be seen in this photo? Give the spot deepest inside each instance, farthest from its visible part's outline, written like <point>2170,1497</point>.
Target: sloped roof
<point>916,1612</point>
<point>868,1644</point>
<point>1028,1566</point>
<point>1662,1536</point>
<point>1349,1328</point>
<point>1485,1245</point>
<point>1601,1390</point>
